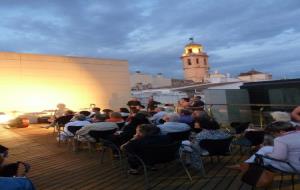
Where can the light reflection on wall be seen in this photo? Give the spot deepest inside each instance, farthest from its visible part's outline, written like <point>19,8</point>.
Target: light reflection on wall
<point>34,82</point>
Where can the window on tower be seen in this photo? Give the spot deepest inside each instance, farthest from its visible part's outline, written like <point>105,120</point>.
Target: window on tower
<point>197,61</point>
<point>190,50</point>
<point>189,61</point>
<point>205,62</point>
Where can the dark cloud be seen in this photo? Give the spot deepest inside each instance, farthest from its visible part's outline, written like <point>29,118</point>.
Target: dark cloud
<point>238,35</point>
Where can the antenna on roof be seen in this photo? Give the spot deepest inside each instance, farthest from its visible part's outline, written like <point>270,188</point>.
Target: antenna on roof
<point>191,40</point>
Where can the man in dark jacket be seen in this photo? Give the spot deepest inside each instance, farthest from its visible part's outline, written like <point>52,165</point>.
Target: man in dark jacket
<point>146,134</point>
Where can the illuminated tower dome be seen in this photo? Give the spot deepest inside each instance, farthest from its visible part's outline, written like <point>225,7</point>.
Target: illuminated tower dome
<point>195,62</point>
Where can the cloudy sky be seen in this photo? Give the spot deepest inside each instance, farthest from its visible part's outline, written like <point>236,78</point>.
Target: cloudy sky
<point>238,35</point>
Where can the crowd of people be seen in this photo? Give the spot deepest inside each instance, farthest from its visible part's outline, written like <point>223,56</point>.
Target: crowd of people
<point>139,125</point>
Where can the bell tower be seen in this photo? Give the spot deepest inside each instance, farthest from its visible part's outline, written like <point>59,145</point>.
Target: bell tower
<point>195,62</point>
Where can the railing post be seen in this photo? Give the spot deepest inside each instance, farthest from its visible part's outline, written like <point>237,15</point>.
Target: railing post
<point>261,117</point>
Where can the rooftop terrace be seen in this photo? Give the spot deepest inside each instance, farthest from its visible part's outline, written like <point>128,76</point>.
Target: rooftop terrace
<point>57,167</point>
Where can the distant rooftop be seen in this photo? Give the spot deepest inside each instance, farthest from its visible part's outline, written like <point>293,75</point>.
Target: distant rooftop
<point>251,72</point>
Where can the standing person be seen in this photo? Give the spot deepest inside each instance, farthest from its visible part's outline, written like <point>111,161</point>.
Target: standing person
<point>197,103</point>
<point>152,104</point>
<point>59,112</point>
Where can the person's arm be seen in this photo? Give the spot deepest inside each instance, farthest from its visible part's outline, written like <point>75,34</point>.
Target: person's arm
<point>280,150</point>
<point>129,146</point>
<point>296,114</point>
<point>84,130</point>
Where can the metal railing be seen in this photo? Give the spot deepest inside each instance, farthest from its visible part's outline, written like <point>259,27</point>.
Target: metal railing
<point>254,110</point>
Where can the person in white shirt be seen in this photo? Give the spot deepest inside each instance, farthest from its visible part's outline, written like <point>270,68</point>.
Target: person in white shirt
<point>98,124</point>
<point>286,148</point>
<point>80,121</point>
<point>172,125</point>
<point>160,112</point>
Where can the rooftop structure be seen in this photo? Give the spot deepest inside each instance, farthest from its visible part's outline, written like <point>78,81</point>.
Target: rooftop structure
<point>253,76</point>
<point>195,62</point>
<point>33,82</point>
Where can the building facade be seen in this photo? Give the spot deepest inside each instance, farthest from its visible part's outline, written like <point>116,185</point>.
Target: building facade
<point>31,82</point>
<point>195,63</point>
<point>253,76</point>
<point>142,81</point>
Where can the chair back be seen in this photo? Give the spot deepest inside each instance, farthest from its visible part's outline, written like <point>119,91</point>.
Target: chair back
<point>216,147</point>
<point>255,137</point>
<point>74,129</point>
<point>239,127</point>
<point>85,113</point>
<point>101,134</point>
<point>157,154</point>
<point>61,121</point>
<point>180,136</point>
<point>121,124</point>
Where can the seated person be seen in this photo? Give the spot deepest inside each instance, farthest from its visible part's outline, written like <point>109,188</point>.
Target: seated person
<point>146,134</point>
<point>129,130</point>
<point>295,116</point>
<point>99,124</point>
<point>157,117</point>
<point>107,112</point>
<point>125,113</point>
<point>286,147</point>
<point>201,118</point>
<point>3,154</point>
<point>79,120</point>
<point>172,124</point>
<point>95,111</point>
<point>211,130</point>
<point>116,117</point>
<point>186,117</point>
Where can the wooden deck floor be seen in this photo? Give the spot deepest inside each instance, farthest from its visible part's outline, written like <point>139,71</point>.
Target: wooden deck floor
<point>57,167</point>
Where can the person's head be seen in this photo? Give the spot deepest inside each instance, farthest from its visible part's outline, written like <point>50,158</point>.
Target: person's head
<point>159,109</point>
<point>147,130</point>
<point>139,119</point>
<point>198,114</point>
<point>197,98</point>
<point>185,112</point>
<point>171,117</point>
<point>107,112</point>
<point>61,106</point>
<point>278,128</point>
<point>85,113</point>
<point>69,112</point>
<point>135,110</point>
<point>205,121</point>
<point>184,102</point>
<point>80,117</point>
<point>115,115</point>
<point>96,110</point>
<point>99,118</point>
<point>124,110</point>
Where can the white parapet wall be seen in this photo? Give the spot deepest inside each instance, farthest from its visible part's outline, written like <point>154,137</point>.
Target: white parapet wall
<point>32,82</point>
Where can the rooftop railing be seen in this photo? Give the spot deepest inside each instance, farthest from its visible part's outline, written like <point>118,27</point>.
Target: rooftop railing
<point>258,114</point>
